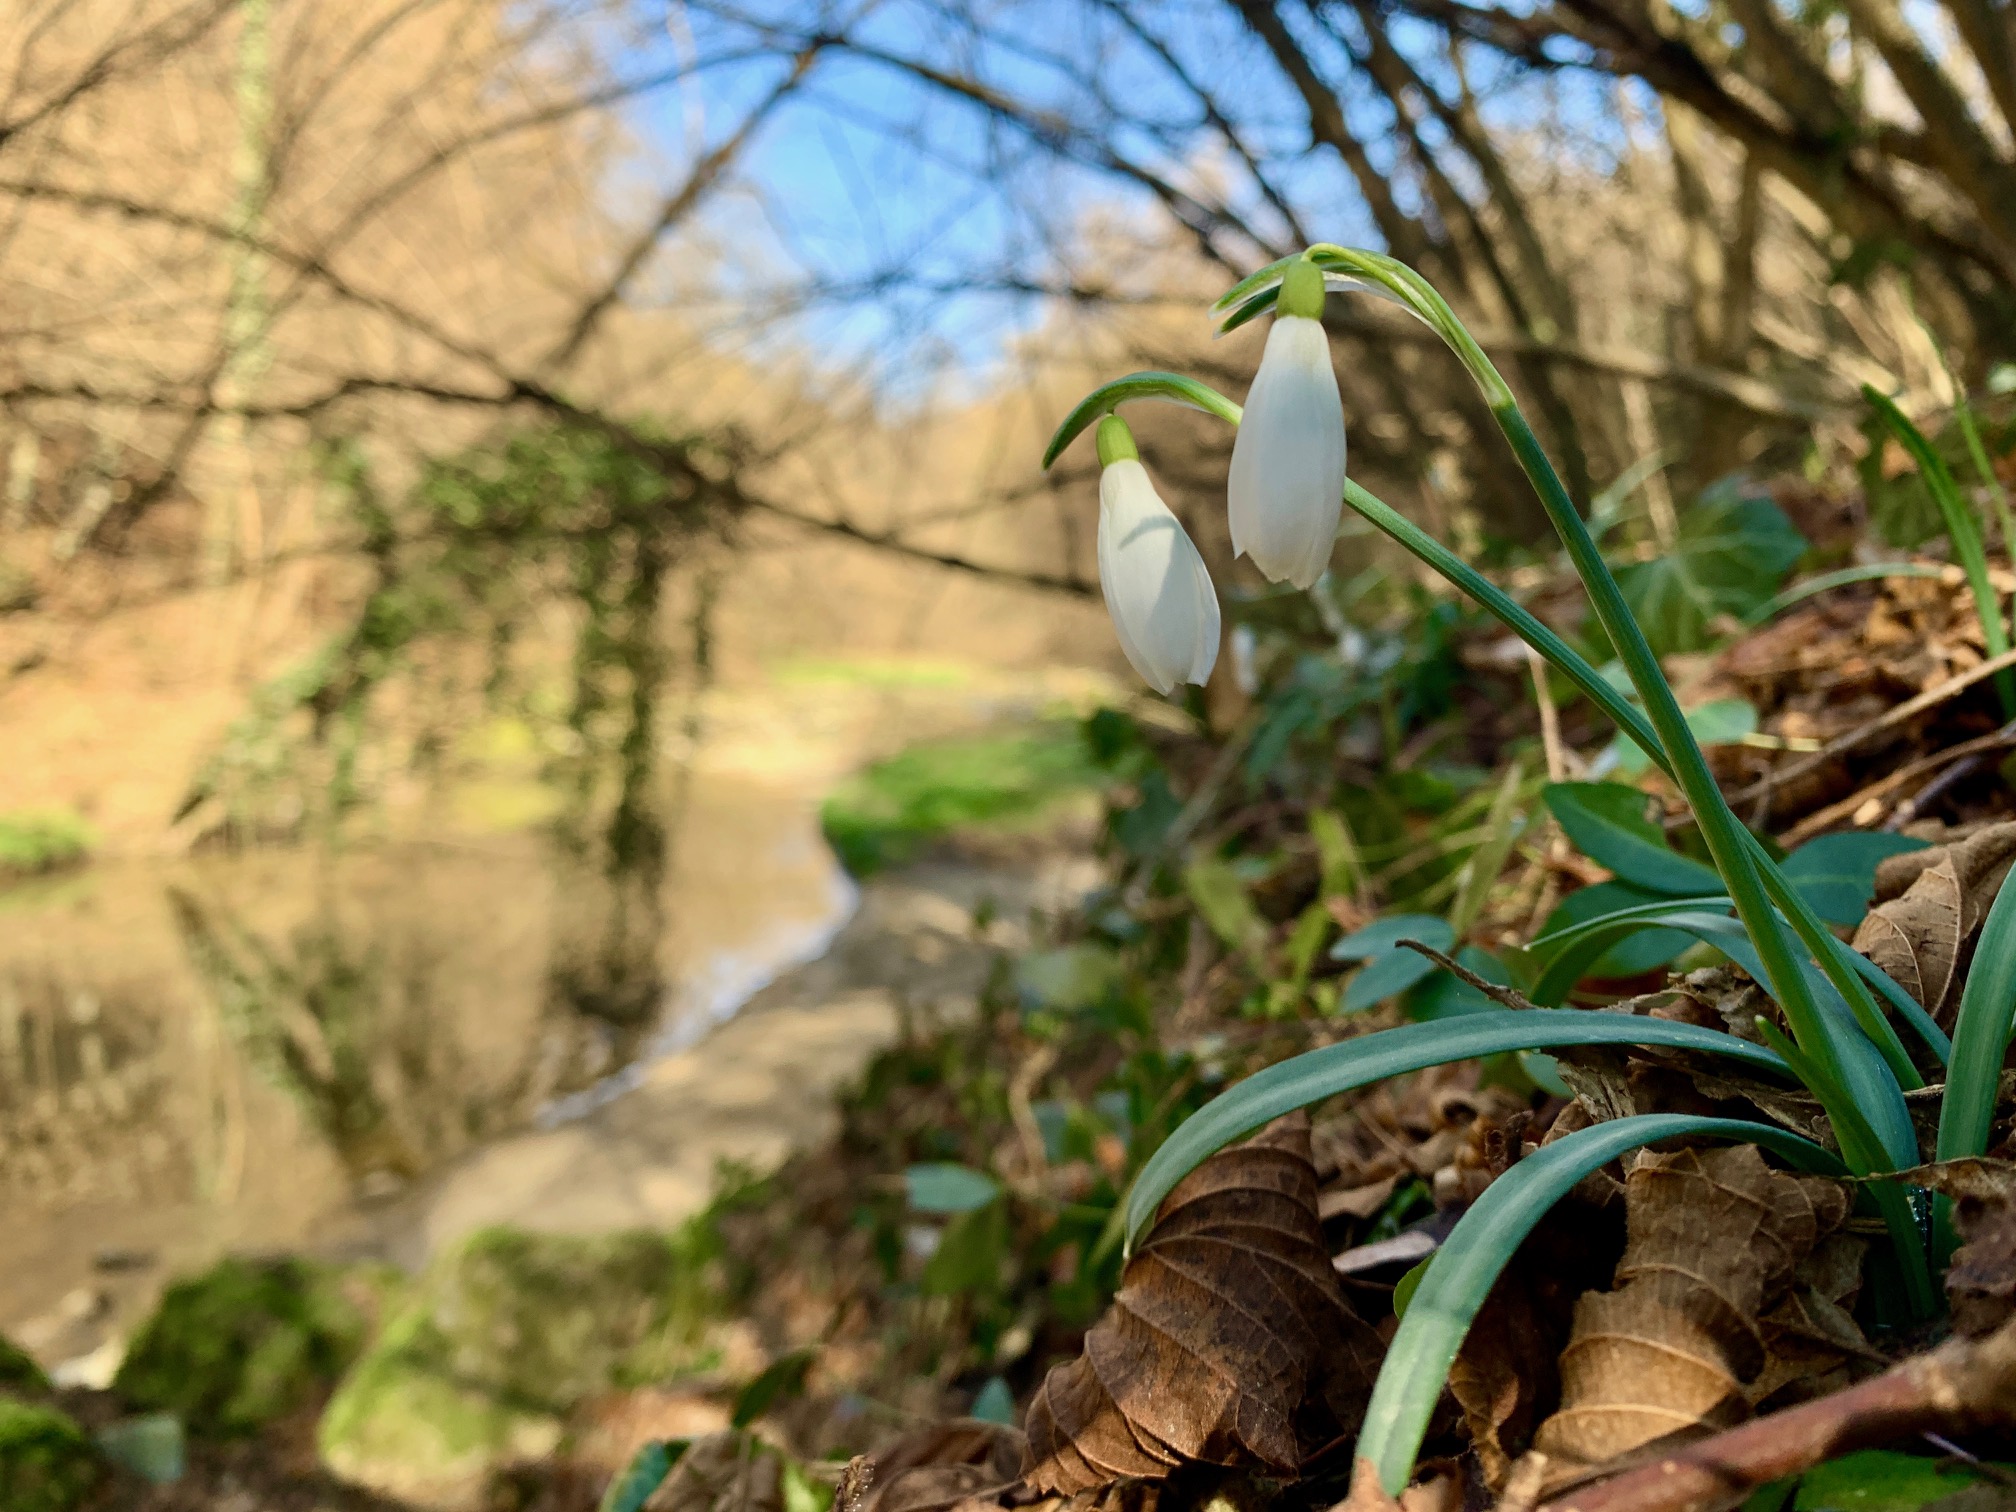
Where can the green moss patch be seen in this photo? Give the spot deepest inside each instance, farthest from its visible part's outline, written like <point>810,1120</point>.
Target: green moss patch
<point>247,1342</point>
<point>886,815</point>
<point>33,841</point>
<point>46,1462</point>
<point>502,1337</point>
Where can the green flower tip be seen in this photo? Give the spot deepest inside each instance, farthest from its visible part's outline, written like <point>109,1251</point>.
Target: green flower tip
<point>1116,442</point>
<point>1301,290</point>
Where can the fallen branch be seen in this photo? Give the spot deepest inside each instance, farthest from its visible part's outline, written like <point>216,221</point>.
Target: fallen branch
<point>1962,1385</point>
<point>1902,714</point>
<point>1825,819</point>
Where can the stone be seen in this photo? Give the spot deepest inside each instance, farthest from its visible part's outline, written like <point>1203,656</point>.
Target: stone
<point>503,1338</point>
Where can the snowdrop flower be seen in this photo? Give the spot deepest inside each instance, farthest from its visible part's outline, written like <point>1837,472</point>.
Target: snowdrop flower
<point>1287,483</point>
<point>1164,608</point>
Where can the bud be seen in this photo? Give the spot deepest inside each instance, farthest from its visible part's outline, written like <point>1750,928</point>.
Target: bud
<point>1286,490</point>
<point>1164,609</point>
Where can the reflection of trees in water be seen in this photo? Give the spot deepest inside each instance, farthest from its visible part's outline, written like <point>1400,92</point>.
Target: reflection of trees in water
<point>81,1077</point>
<point>355,1038</point>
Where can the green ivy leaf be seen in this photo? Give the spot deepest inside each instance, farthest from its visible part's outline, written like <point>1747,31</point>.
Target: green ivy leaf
<point>1389,968</point>
<point>943,1187</point>
<point>1732,555</point>
<point>1608,823</point>
<point>1837,873</point>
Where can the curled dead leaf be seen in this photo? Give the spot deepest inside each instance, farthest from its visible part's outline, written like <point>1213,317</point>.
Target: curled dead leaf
<point>1715,1238</point>
<point>1229,1342</point>
<point>1981,1281</point>
<point>1929,910</point>
<point>934,1469</point>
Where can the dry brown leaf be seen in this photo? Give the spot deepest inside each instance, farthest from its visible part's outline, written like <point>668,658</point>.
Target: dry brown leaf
<point>1981,1282</point>
<point>1229,1342</point>
<point>1715,1238</point>
<point>936,1468</point>
<point>1505,1378</point>
<point>1931,904</point>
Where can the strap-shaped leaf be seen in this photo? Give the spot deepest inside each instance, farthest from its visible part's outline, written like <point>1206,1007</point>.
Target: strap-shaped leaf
<point>1981,1032</point>
<point>1174,388</point>
<point>1962,529</point>
<point>1461,1274</point>
<point>1309,1078</point>
<point>1847,968</point>
<point>645,1473</point>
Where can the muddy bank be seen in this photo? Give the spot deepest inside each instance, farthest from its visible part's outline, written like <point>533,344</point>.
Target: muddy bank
<point>757,1087</point>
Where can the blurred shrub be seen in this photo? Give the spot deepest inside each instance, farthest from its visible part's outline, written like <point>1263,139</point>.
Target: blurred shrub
<point>886,815</point>
<point>41,840</point>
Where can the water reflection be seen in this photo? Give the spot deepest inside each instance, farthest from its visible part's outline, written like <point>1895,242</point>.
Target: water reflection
<point>235,1051</point>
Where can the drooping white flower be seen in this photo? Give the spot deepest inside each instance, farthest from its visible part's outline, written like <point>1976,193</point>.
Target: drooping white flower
<point>1164,609</point>
<point>1286,489</point>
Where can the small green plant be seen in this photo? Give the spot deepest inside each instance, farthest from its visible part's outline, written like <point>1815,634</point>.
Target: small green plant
<point>1842,1045</point>
<point>33,841</point>
<point>887,814</point>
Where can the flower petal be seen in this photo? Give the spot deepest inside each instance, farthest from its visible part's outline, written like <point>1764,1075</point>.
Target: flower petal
<point>1286,487</point>
<point>1157,589</point>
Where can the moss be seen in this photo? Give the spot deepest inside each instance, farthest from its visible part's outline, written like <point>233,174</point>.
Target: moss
<point>888,813</point>
<point>46,1462</point>
<point>506,1334</point>
<point>405,1423</point>
<point>18,1371</point>
<point>41,840</point>
<point>247,1342</point>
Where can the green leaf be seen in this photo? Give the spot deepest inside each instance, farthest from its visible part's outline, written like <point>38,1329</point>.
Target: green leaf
<point>943,1187</point>
<point>1879,1480</point>
<point>1721,721</point>
<point>1389,968</point>
<point>1221,900</point>
<point>1733,553</point>
<point>1608,823</point>
<point>968,1259</point>
<point>1382,936</point>
<point>1406,1286</point>
<point>1837,873</point>
<point>1384,977</point>
<point>1461,1273</point>
<point>1068,979</point>
<point>1176,388</point>
<point>1962,529</point>
<point>1630,955</point>
<point>781,1380</point>
<point>1980,1037</point>
<point>644,1475</point>
<point>995,1403</point>
<point>1444,996</point>
<point>151,1446</point>
<point>1316,1074</point>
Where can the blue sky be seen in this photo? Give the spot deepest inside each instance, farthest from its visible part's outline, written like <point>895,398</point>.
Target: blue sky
<point>884,192</point>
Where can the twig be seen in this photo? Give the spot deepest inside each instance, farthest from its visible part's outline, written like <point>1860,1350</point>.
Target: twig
<point>1961,1385</point>
<point>1504,997</point>
<point>1550,719</point>
<point>1826,818</point>
<point>1903,713</point>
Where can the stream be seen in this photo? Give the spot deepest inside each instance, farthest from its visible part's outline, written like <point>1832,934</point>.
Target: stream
<point>257,1051</point>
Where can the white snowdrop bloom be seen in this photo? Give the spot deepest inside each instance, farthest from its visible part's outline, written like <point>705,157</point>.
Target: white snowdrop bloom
<point>1286,490</point>
<point>1164,608</point>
